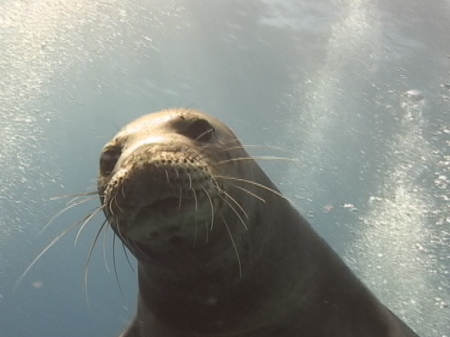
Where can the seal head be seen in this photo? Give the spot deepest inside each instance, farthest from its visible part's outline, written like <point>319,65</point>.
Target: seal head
<point>168,179</point>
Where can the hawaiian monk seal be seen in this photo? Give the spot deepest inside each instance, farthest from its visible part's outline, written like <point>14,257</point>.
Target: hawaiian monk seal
<point>220,252</point>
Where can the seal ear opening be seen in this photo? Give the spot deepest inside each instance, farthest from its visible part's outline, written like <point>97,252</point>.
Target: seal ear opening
<point>108,160</point>
<point>199,130</point>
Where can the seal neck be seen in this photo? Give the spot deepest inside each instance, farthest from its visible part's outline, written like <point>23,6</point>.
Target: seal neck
<point>210,299</point>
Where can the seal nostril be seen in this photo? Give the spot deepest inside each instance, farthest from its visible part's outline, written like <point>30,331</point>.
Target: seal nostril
<point>199,130</point>
<point>108,160</point>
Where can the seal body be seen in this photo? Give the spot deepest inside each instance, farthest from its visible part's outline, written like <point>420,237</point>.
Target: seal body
<point>220,252</point>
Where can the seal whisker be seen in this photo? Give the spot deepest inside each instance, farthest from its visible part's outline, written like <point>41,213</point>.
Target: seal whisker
<point>167,176</point>
<point>117,203</point>
<point>86,267</point>
<point>250,182</point>
<point>180,199</point>
<point>114,224</point>
<point>190,180</point>
<point>255,146</point>
<point>254,183</point>
<point>74,196</point>
<point>248,192</point>
<point>195,199</point>
<point>120,236</point>
<point>255,158</point>
<point>69,206</point>
<point>85,220</point>
<point>212,212</point>
<point>104,249</point>
<point>134,245</point>
<point>231,141</point>
<point>37,258</point>
<point>110,205</point>
<point>126,256</point>
<point>235,202</point>
<point>234,210</point>
<point>116,274</point>
<point>204,133</point>
<point>233,243</point>
<point>56,239</point>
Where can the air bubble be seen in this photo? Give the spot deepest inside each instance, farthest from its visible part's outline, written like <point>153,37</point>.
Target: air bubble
<point>413,102</point>
<point>414,95</point>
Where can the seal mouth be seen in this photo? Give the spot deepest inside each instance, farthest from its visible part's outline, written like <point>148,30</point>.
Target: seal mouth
<point>166,206</point>
<point>182,211</point>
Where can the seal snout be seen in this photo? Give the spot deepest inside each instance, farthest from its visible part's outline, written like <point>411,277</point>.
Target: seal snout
<point>158,185</point>
<point>166,170</point>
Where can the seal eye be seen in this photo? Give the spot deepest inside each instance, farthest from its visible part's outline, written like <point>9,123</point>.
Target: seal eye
<point>108,160</point>
<point>199,130</point>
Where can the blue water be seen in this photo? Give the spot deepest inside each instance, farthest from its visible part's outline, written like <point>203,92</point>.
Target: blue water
<point>357,92</point>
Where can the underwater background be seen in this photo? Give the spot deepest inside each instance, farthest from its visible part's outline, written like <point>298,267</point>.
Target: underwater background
<point>356,91</point>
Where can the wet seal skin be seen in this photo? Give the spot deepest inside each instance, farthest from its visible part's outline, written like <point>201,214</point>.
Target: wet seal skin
<point>220,252</point>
